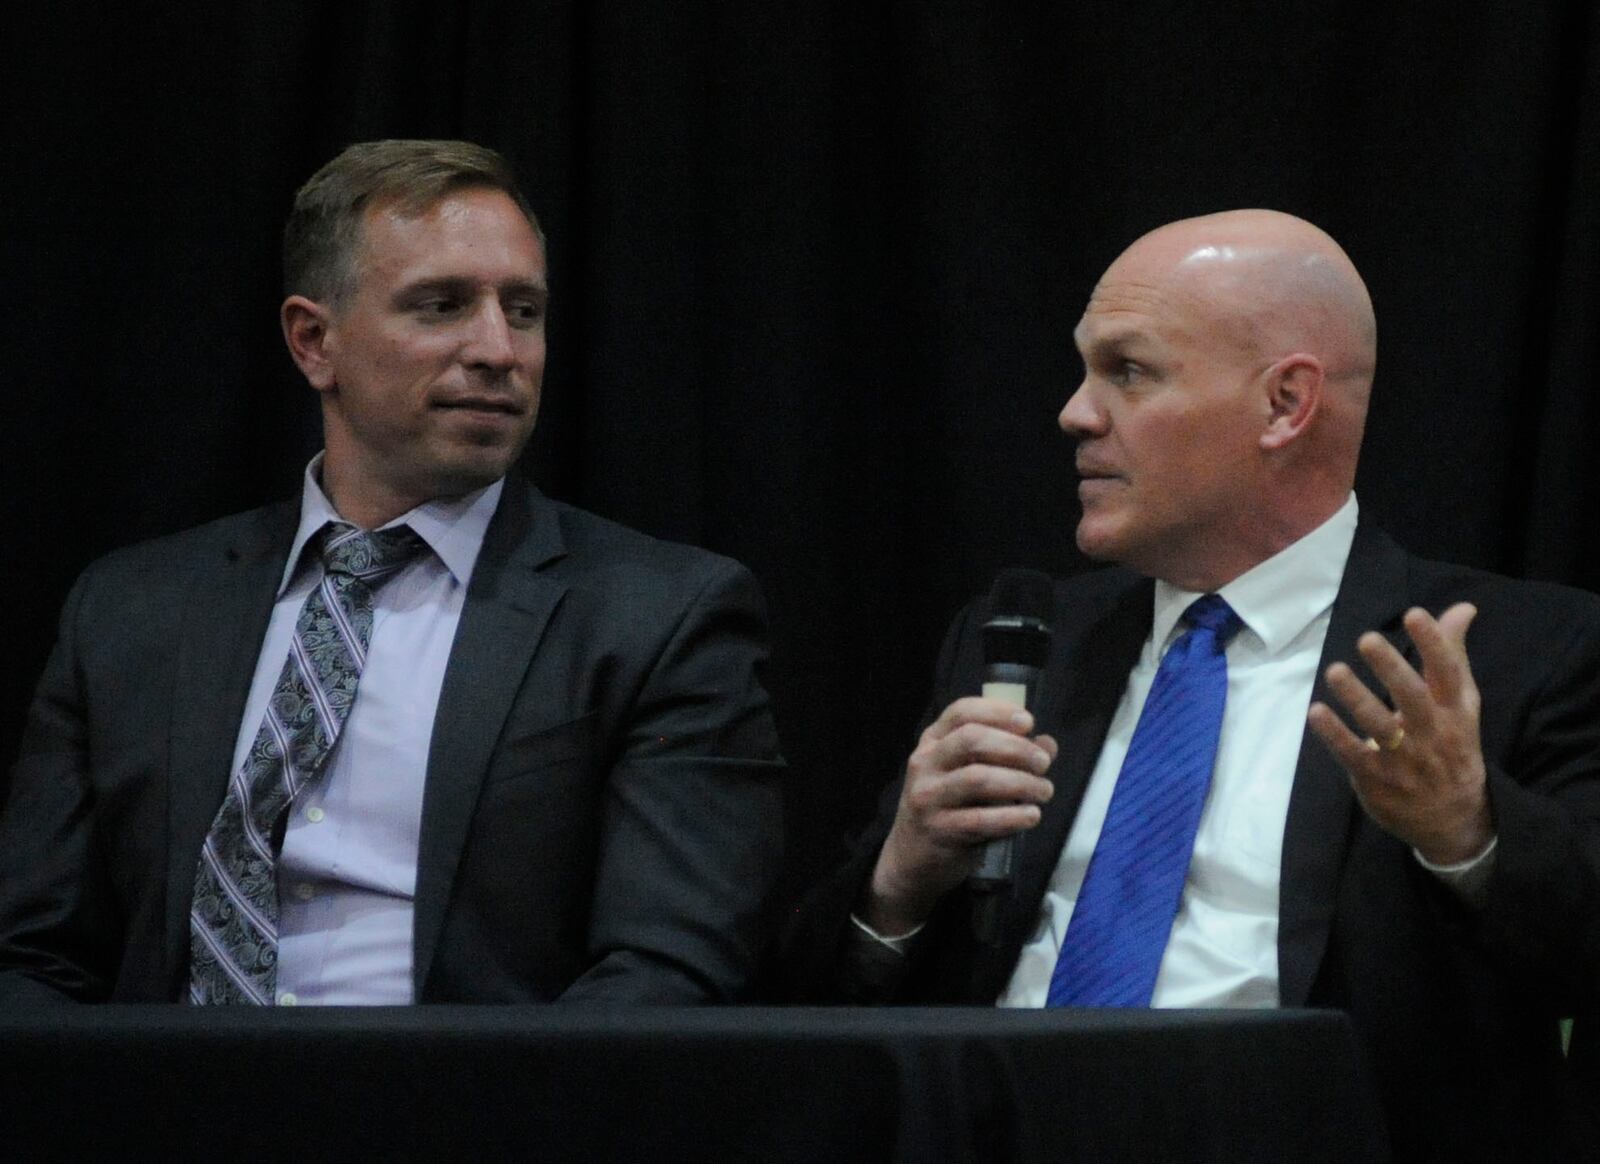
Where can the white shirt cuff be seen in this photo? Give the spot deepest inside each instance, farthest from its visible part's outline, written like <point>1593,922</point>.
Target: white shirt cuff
<point>1468,879</point>
<point>899,943</point>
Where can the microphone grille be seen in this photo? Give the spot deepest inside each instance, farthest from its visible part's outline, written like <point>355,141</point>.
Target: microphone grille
<point>1023,594</point>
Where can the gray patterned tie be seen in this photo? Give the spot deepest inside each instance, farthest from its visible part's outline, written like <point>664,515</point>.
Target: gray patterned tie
<point>233,923</point>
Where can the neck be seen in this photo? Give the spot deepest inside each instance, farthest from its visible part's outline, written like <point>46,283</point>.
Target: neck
<point>1270,536</point>
<point>367,505</point>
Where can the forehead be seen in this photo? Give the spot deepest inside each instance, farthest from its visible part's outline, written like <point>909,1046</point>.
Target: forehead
<point>1135,308</point>
<point>474,232</point>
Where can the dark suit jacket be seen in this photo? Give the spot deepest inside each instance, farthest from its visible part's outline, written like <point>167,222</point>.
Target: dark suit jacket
<point>601,814</point>
<point>1457,1011</point>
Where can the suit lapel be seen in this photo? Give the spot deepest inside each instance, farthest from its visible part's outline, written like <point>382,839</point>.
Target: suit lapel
<point>1322,809</point>
<point>229,604</point>
<point>508,605</point>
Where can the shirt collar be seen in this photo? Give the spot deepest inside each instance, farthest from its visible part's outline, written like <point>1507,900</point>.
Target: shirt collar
<point>453,527</point>
<point>1276,599</point>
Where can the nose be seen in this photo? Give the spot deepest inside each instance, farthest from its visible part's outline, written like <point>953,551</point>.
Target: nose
<point>1081,416</point>
<point>489,343</point>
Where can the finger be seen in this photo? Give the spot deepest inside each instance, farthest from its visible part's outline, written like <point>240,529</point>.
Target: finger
<point>1348,748</point>
<point>1371,714</point>
<point>1407,690</point>
<point>1442,645</point>
<point>970,825</point>
<point>976,709</point>
<point>980,784</point>
<point>1049,744</point>
<point>976,743</point>
<point>1457,621</point>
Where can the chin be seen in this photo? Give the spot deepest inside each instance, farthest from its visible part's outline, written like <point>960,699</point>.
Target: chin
<point>1097,543</point>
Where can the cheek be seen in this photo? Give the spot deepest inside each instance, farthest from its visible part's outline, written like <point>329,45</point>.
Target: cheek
<point>1171,462</point>
<point>1212,467</point>
<point>532,354</point>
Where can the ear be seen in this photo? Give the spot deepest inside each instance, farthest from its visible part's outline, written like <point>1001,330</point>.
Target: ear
<point>306,327</point>
<point>1294,394</point>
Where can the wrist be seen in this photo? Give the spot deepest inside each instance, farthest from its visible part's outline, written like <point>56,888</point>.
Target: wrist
<point>1460,845</point>
<point>890,908</point>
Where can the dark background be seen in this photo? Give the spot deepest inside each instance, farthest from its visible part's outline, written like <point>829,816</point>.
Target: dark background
<point>815,269</point>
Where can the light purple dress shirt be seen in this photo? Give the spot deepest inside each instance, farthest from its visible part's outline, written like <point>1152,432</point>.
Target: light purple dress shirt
<point>348,871</point>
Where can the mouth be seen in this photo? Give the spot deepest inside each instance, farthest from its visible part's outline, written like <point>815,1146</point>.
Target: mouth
<point>1091,471</point>
<point>1094,481</point>
<point>480,406</point>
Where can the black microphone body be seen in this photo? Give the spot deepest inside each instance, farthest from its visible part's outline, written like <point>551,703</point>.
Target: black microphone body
<point>1016,643</point>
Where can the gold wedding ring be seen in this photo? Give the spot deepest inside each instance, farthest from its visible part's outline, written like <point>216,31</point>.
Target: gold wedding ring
<point>1389,745</point>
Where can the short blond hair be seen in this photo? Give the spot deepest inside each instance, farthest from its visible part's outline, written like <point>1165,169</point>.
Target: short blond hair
<point>323,234</point>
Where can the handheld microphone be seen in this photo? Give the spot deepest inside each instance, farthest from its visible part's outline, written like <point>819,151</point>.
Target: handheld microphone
<point>1016,642</point>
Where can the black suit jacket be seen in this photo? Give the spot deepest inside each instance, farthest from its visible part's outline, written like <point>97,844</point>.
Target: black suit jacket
<point>601,813</point>
<point>1456,1010</point>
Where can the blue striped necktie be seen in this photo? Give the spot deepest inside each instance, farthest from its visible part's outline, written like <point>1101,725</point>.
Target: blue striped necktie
<point>1130,895</point>
<point>233,922</point>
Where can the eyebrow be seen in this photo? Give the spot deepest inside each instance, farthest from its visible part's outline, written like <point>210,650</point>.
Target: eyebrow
<point>450,284</point>
<point>1110,339</point>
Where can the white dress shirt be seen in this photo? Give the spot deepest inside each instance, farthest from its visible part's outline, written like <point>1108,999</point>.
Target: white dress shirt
<point>348,870</point>
<point>1224,945</point>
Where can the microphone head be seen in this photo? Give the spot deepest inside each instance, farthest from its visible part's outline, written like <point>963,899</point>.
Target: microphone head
<point>1023,594</point>
<point>1018,630</point>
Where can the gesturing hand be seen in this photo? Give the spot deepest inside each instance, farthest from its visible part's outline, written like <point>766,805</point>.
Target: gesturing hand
<point>1419,771</point>
<point>975,776</point>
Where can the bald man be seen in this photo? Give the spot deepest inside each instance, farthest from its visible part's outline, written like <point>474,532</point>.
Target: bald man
<point>1427,857</point>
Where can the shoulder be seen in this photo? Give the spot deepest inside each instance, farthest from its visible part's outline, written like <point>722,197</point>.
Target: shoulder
<point>1082,600</point>
<point>1099,592</point>
<point>1435,585</point>
<point>223,537</point>
<point>595,542</point>
<point>625,595</point>
<point>618,571</point>
<point>1522,627</point>
<point>173,561</point>
<point>1539,630</point>
<point>1104,604</point>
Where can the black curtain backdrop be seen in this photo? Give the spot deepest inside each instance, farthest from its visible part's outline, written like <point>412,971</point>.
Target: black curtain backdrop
<point>815,270</point>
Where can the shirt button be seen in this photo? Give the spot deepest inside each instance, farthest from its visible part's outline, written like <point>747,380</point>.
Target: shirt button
<point>305,891</point>
<point>288,998</point>
<point>315,814</point>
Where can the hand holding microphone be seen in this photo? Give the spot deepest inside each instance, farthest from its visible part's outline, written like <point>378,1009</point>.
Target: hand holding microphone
<point>1016,643</point>
<point>975,776</point>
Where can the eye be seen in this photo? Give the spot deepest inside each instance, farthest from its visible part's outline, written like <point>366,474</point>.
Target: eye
<point>439,305</point>
<point>524,312</point>
<point>1115,370</point>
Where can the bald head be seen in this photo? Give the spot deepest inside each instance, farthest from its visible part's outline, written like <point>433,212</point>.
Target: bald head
<point>1269,282</point>
<point>1228,365</point>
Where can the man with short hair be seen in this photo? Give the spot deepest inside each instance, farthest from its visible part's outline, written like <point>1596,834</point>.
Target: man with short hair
<point>420,734</point>
<point>1432,866</point>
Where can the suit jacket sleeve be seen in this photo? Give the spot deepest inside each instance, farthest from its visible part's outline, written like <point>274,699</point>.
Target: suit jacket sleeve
<point>815,962</point>
<point>1540,920</point>
<point>691,823</point>
<point>59,930</point>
